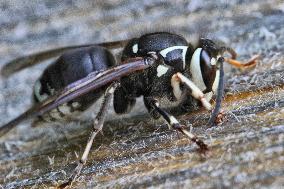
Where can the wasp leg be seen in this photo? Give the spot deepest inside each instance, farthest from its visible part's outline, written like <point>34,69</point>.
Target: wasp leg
<point>173,122</point>
<point>151,109</point>
<point>97,127</point>
<point>195,91</point>
<point>217,114</point>
<point>238,64</point>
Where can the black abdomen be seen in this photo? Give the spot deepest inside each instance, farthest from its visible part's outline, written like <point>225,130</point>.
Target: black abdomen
<point>70,67</point>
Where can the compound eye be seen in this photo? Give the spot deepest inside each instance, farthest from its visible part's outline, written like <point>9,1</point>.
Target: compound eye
<point>208,69</point>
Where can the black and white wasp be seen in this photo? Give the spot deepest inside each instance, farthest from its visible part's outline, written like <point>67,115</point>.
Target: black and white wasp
<point>162,67</point>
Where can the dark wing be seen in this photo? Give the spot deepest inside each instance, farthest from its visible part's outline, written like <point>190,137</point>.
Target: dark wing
<point>81,87</point>
<point>33,59</point>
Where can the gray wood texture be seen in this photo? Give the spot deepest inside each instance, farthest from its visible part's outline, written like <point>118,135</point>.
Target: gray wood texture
<point>246,150</point>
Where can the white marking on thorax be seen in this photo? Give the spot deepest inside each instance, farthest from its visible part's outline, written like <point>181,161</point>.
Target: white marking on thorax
<point>135,48</point>
<point>195,70</point>
<point>161,70</point>
<point>216,82</point>
<point>164,52</point>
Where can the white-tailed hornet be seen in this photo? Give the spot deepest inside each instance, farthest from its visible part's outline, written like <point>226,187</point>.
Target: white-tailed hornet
<point>162,67</point>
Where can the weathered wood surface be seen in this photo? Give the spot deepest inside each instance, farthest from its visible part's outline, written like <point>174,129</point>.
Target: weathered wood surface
<point>247,150</point>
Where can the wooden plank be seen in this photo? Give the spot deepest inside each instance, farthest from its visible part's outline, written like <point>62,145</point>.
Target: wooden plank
<point>247,150</point>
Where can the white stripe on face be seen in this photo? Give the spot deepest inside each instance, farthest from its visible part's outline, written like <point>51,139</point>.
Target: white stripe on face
<point>195,70</point>
<point>164,52</point>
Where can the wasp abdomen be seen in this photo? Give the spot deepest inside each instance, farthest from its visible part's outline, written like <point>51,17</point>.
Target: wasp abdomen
<point>68,68</point>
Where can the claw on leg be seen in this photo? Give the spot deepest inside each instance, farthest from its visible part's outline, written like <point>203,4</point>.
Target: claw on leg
<point>203,148</point>
<point>220,117</point>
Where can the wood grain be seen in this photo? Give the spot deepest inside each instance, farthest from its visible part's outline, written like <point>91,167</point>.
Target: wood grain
<point>247,150</point>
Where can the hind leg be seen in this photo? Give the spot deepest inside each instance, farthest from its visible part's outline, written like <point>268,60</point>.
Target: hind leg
<point>97,127</point>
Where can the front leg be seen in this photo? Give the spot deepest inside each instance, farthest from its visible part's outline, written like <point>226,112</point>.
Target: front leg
<point>173,123</point>
<point>199,95</point>
<point>195,91</point>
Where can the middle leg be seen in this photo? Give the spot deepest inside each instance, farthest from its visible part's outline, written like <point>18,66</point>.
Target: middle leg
<point>173,123</point>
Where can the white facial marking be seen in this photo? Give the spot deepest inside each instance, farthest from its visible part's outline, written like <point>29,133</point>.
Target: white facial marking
<point>195,70</point>
<point>213,61</point>
<point>216,82</point>
<point>164,52</point>
<point>161,70</point>
<point>176,87</point>
<point>135,48</point>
